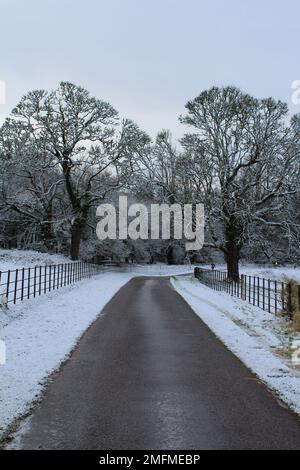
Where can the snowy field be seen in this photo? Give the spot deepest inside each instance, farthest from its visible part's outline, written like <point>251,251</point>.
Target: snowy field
<point>265,343</point>
<point>279,273</point>
<point>16,259</point>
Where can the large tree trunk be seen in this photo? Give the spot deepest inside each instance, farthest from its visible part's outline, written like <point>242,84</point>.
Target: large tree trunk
<point>232,260</point>
<point>76,233</point>
<point>79,223</point>
<point>232,253</point>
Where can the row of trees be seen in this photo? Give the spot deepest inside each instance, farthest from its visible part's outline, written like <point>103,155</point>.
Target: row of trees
<point>63,152</point>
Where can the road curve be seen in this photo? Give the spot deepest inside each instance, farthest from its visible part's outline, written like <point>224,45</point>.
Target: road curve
<point>148,374</point>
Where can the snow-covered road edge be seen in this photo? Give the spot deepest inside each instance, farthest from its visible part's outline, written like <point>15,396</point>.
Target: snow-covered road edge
<point>269,368</point>
<point>42,333</point>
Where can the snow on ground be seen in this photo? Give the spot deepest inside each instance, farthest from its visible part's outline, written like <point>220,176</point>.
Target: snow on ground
<point>265,343</point>
<point>159,269</point>
<point>27,282</point>
<point>40,333</point>
<point>279,273</point>
<point>15,259</point>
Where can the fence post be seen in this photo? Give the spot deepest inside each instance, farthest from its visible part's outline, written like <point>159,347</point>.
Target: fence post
<point>249,289</point>
<point>269,295</point>
<point>50,270</point>
<point>45,280</point>
<point>40,281</point>
<point>242,286</point>
<point>34,281</point>
<point>16,285</point>
<point>7,284</point>
<point>58,270</point>
<point>22,284</point>
<point>28,283</point>
<point>54,276</point>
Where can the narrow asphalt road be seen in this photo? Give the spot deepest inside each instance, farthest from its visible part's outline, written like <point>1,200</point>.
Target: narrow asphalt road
<point>148,374</point>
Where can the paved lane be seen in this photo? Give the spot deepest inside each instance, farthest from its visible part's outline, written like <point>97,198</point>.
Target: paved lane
<point>148,374</point>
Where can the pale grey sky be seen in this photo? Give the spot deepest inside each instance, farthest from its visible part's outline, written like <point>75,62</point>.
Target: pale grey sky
<point>149,57</point>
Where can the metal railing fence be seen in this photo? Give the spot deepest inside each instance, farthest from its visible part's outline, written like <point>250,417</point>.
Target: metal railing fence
<point>271,295</point>
<point>25,283</point>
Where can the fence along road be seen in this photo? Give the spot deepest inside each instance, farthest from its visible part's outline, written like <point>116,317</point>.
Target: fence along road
<point>148,374</point>
<point>25,283</point>
<point>271,295</point>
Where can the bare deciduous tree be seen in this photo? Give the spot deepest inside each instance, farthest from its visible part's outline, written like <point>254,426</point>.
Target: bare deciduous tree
<point>239,160</point>
<point>81,139</point>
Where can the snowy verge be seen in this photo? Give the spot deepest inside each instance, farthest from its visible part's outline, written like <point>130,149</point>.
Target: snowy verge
<point>40,333</point>
<point>252,343</point>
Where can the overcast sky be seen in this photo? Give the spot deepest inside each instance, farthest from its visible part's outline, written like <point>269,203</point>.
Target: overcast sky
<point>149,57</point>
